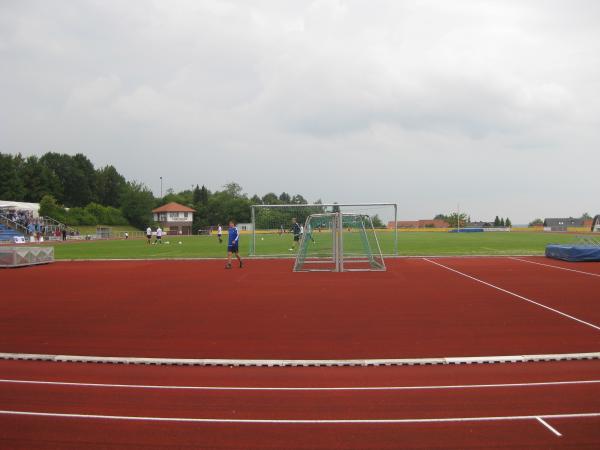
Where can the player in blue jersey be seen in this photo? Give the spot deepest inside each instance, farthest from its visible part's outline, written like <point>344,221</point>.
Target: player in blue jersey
<point>233,244</point>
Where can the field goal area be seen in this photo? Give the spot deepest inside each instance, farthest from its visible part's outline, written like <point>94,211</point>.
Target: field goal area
<point>272,224</point>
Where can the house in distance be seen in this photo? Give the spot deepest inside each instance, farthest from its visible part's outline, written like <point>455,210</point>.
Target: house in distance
<point>174,218</point>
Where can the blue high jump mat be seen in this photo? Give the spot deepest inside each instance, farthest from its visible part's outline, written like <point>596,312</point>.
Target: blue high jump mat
<point>574,253</point>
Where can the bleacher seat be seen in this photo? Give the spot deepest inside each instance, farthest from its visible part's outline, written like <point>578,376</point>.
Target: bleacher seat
<point>7,234</point>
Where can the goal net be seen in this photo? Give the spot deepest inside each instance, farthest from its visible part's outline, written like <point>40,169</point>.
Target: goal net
<point>339,242</point>
<point>272,233</point>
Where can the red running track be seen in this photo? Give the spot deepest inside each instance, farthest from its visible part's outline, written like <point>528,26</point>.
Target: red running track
<point>189,309</point>
<point>441,392</point>
<point>195,309</point>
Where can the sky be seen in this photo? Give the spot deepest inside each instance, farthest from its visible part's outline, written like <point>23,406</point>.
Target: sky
<point>491,104</point>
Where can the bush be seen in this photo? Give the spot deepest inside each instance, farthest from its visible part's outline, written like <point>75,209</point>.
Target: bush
<point>79,216</point>
<point>105,215</point>
<point>51,208</point>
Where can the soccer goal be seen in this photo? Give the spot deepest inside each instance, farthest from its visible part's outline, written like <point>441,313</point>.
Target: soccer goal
<point>272,233</point>
<point>338,242</point>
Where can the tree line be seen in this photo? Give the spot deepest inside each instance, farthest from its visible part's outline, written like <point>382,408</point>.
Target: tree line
<point>70,189</point>
<point>463,220</point>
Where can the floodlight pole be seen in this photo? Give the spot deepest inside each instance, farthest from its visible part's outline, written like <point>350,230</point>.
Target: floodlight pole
<point>161,191</point>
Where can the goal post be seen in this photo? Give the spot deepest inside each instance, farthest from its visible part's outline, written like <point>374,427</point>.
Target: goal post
<point>271,225</point>
<point>339,242</point>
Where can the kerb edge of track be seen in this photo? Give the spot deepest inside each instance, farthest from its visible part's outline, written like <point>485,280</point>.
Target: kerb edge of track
<point>299,362</point>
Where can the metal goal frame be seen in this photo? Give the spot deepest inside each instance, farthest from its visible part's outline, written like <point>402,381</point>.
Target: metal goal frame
<point>328,205</point>
<point>339,261</point>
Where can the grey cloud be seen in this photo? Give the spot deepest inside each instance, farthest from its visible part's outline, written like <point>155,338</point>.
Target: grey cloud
<point>432,94</point>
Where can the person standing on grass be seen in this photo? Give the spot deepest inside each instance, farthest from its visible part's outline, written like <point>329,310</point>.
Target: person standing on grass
<point>159,233</point>
<point>296,231</point>
<point>233,247</point>
<point>220,233</point>
<point>149,235</point>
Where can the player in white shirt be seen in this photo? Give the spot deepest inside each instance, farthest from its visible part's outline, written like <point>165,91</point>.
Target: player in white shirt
<point>159,233</point>
<point>220,233</point>
<point>149,235</point>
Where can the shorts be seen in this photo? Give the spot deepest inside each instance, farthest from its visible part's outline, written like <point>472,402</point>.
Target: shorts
<point>233,248</point>
<point>296,237</point>
<point>149,236</point>
<point>159,237</point>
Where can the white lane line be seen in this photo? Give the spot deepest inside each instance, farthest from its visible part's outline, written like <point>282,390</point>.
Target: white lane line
<point>550,427</point>
<point>568,316</point>
<point>556,267</point>
<point>300,421</point>
<point>292,388</point>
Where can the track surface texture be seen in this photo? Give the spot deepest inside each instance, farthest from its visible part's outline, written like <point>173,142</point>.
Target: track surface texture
<point>416,393</point>
<point>434,307</point>
<point>196,309</point>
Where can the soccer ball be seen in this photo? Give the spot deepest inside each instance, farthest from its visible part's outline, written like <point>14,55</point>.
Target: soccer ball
<point>179,242</point>
<point>262,239</point>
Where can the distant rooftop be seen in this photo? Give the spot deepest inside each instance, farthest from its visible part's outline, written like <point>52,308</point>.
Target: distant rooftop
<point>173,207</point>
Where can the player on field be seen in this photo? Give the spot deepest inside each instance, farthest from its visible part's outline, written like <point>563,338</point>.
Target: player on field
<point>220,233</point>
<point>159,233</point>
<point>296,232</point>
<point>233,244</point>
<point>149,235</point>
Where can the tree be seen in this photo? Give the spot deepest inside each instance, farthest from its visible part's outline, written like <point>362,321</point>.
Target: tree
<point>441,217</point>
<point>256,200</point>
<point>49,207</point>
<point>455,221</point>
<point>233,189</point>
<point>137,202</point>
<point>497,221</point>
<point>196,195</point>
<point>586,216</point>
<point>204,195</point>
<point>110,185</point>
<point>377,223</point>
<point>507,223</point>
<point>536,223</point>
<point>77,176</point>
<point>39,180</point>
<point>285,198</point>
<point>270,199</point>
<point>299,200</point>
<point>11,183</point>
<point>502,224</point>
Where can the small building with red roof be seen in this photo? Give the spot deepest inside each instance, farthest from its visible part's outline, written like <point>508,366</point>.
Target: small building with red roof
<point>174,218</point>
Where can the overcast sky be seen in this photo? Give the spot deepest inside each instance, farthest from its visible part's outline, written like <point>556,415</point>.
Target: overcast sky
<point>493,104</point>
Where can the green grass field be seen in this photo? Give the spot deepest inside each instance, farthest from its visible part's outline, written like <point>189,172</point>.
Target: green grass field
<point>410,244</point>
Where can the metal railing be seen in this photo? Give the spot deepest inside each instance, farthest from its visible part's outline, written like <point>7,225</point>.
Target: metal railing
<point>54,224</point>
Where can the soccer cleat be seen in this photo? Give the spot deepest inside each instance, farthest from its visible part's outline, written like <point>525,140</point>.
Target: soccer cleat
<point>241,265</point>
<point>228,266</point>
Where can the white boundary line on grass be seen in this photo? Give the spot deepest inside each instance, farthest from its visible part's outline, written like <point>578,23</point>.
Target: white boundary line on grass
<point>258,388</point>
<point>568,316</point>
<point>300,362</point>
<point>556,267</point>
<point>303,421</point>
